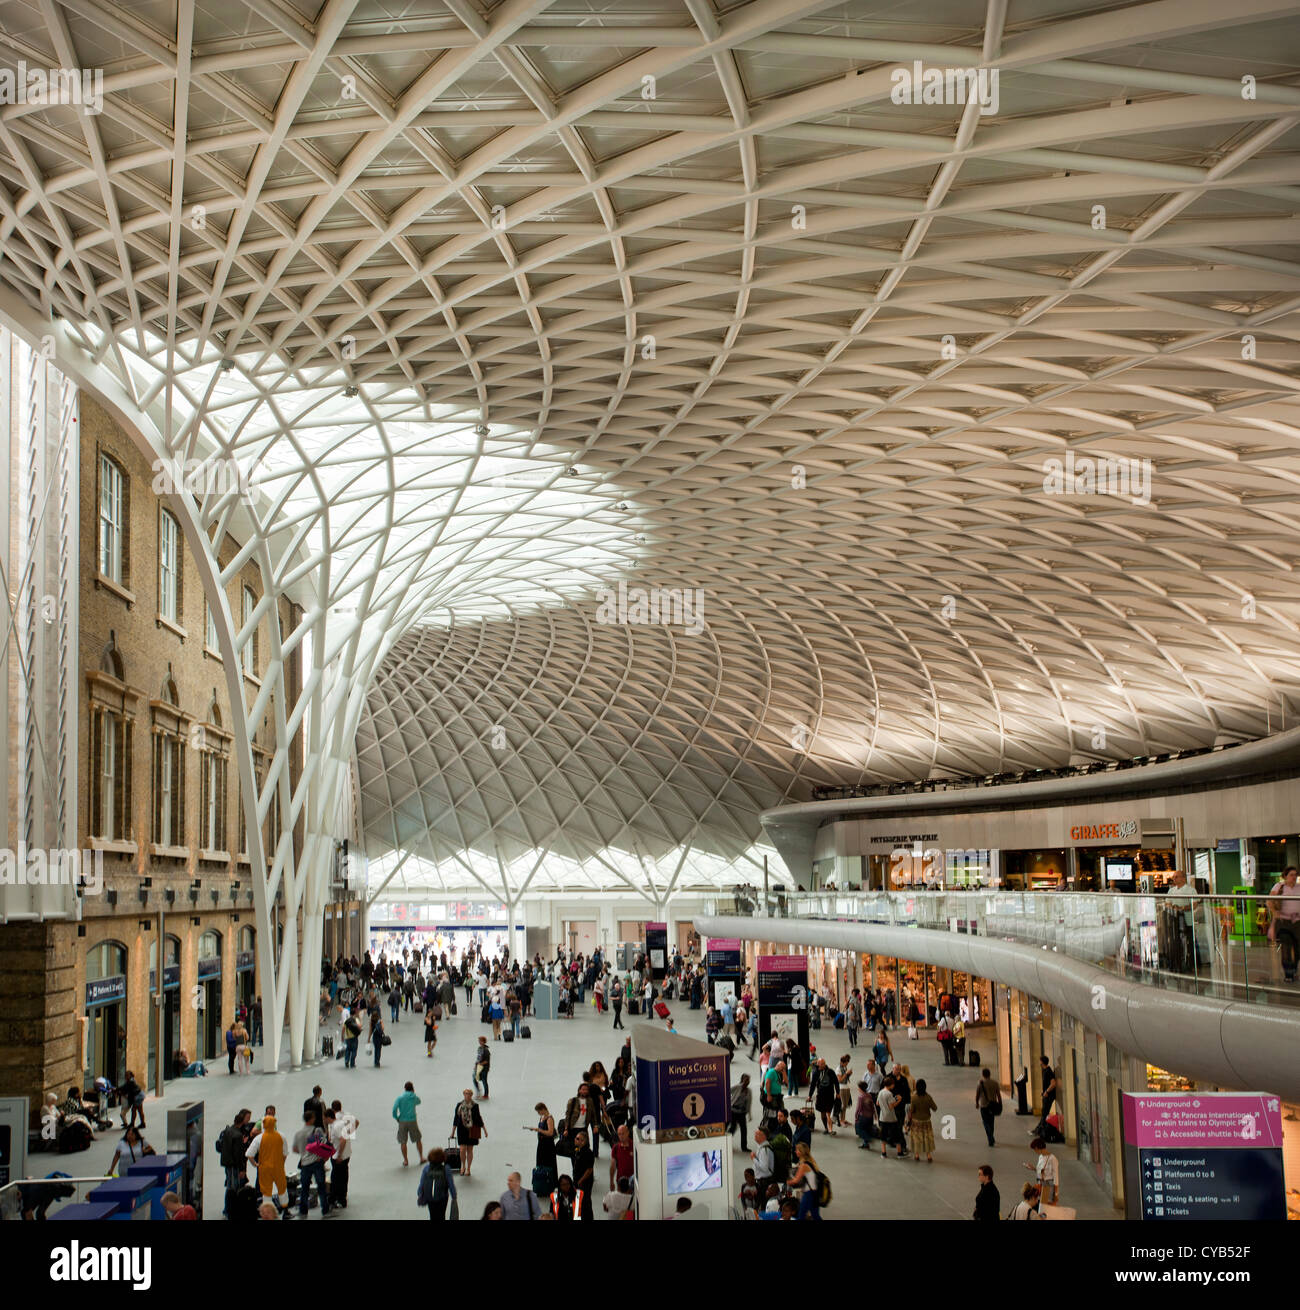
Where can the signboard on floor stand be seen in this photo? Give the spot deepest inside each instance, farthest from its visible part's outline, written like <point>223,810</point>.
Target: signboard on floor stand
<point>726,970</point>
<point>783,998</point>
<point>1203,1155</point>
<point>656,946</point>
<point>683,1093</point>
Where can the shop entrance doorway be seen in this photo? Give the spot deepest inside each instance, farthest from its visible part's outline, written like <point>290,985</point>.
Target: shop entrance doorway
<point>169,1012</point>
<point>211,1042</point>
<point>246,971</point>
<point>106,1013</point>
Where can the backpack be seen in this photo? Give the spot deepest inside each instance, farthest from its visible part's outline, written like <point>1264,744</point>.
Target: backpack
<point>424,1195</point>
<point>824,1193</point>
<point>780,1145</point>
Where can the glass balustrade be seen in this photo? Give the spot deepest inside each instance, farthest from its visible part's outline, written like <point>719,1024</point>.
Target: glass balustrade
<point>1219,946</point>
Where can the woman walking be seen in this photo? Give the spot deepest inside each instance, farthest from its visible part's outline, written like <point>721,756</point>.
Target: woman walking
<point>845,1075</point>
<point>806,1182</point>
<point>467,1125</point>
<point>920,1129</point>
<point>544,1171</point>
<point>242,1051</point>
<point>430,1032</point>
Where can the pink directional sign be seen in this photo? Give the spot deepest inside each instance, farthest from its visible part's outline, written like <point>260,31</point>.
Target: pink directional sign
<point>1203,1155</point>
<point>724,943</point>
<point>782,963</point>
<point>1203,1120</point>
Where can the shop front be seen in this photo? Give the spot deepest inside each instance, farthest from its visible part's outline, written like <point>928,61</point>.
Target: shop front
<point>211,1042</point>
<point>105,1018</point>
<point>1035,870</point>
<point>165,1008</point>
<point>919,993</point>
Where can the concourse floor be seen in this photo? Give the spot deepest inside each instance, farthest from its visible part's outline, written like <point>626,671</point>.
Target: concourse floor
<point>548,1068</point>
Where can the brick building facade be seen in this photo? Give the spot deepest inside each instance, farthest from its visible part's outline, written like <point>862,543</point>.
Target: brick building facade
<point>159,800</point>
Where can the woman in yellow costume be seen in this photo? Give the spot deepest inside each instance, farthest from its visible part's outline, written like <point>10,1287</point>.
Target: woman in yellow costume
<point>266,1150</point>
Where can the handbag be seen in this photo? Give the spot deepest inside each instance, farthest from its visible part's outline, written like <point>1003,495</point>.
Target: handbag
<point>564,1146</point>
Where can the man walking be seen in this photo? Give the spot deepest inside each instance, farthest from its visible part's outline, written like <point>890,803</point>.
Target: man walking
<point>616,1000</point>
<point>988,1203</point>
<point>232,1144</point>
<point>482,1066</point>
<point>764,1164</point>
<point>517,1203</point>
<point>351,1037</point>
<point>408,1127</point>
<point>988,1095</point>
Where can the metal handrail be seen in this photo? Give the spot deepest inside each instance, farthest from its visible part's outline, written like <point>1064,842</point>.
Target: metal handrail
<point>1208,943</point>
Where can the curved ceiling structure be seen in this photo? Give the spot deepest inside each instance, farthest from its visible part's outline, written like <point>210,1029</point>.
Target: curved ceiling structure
<point>955,437</point>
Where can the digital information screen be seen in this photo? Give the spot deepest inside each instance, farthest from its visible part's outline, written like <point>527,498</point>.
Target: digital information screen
<point>697,1171</point>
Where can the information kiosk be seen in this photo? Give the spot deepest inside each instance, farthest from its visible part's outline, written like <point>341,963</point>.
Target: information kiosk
<point>683,1091</point>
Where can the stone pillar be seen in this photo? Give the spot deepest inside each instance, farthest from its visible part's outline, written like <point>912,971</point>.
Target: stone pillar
<point>39,1029</point>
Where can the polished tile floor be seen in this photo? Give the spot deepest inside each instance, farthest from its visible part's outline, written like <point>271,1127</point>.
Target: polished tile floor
<point>548,1068</point>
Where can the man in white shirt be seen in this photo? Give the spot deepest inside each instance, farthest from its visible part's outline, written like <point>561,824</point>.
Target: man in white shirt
<point>617,1203</point>
<point>341,1128</point>
<point>875,1080</point>
<point>888,1118</point>
<point>764,1162</point>
<point>1180,893</point>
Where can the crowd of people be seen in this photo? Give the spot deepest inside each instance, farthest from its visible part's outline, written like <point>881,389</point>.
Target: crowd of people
<point>285,1166</point>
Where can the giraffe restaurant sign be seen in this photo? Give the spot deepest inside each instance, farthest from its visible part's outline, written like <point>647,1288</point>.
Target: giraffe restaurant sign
<point>1126,829</point>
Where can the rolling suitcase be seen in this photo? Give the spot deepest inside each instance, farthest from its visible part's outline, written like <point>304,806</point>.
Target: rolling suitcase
<point>452,1154</point>
<point>973,1059</point>
<point>417,1006</point>
<point>525,1032</point>
<point>634,1007</point>
<point>661,1010</point>
<point>509,1034</point>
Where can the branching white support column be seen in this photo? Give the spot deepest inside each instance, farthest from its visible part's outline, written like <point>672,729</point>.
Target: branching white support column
<point>392,873</point>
